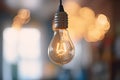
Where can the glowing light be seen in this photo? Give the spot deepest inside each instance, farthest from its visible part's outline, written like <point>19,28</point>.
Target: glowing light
<point>10,38</point>
<point>29,38</point>
<point>72,10</point>
<point>24,13</point>
<point>84,24</point>
<point>29,70</point>
<point>94,36</point>
<point>22,17</point>
<point>25,42</point>
<point>76,24</point>
<point>97,31</point>
<point>84,21</point>
<point>102,22</point>
<point>61,48</point>
<point>87,15</point>
<point>17,23</point>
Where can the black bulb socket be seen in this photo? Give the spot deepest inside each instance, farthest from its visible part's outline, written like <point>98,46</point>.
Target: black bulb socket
<point>60,18</point>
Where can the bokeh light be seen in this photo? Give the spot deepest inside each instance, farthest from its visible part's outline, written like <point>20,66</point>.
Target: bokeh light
<point>83,23</point>
<point>21,18</point>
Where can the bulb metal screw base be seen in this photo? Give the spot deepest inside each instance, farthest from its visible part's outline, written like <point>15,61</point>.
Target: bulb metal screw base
<point>60,20</point>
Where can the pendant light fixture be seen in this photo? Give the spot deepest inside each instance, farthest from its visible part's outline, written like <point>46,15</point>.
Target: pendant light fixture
<point>61,49</point>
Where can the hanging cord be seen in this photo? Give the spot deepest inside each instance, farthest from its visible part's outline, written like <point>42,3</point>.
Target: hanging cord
<point>61,9</point>
<point>61,18</point>
<point>60,2</point>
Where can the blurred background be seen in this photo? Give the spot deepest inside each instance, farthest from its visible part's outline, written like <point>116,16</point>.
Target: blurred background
<point>26,31</point>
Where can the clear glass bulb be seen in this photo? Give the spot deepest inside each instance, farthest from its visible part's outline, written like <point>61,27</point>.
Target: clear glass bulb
<point>61,48</point>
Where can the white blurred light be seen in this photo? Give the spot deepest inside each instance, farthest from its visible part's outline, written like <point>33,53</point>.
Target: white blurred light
<point>30,4</point>
<point>10,38</point>
<point>25,43</point>
<point>13,3</point>
<point>29,70</point>
<point>30,39</point>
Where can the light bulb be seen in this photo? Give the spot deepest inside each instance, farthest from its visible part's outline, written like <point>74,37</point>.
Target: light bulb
<point>61,48</point>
